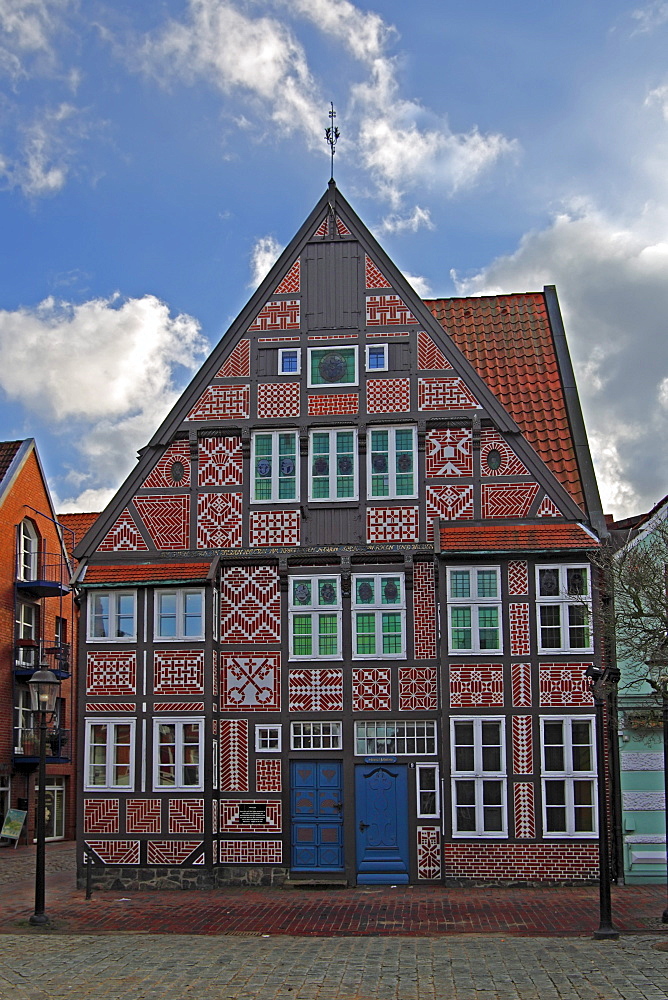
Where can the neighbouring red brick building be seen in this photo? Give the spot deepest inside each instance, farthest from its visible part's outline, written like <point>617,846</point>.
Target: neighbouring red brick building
<point>337,618</point>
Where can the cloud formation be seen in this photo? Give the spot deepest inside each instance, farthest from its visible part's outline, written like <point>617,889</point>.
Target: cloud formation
<point>264,255</point>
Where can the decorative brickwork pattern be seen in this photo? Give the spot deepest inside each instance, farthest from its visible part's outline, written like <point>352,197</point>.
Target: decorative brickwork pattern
<point>124,536</point>
<point>100,815</point>
<point>214,816</point>
<point>392,524</point>
<point>323,228</point>
<point>449,502</point>
<point>525,810</point>
<point>166,519</point>
<point>476,685</point>
<point>219,520</point>
<point>388,395</point>
<point>234,755</point>
<point>428,852</point>
<point>578,862</point>
<point>374,277</point>
<point>268,775</point>
<point>518,577</point>
<point>116,706</point>
<point>520,675</point>
<point>522,744</point>
<point>173,469</point>
<point>290,283</point>
<point>384,334</point>
<point>115,852</point>
<point>332,336</point>
<point>109,674</point>
<point>510,465</point>
<point>563,684</point>
<point>143,816</point>
<point>170,852</point>
<point>186,815</point>
<point>342,228</point>
<point>278,340</point>
<point>250,683</point>
<point>275,527</point>
<point>319,690</point>
<point>333,402</point>
<point>178,706</point>
<point>222,402</point>
<point>520,643</point>
<point>279,314</point>
<point>251,852</point>
<point>387,310</point>
<point>229,816</point>
<point>445,394</point>
<point>508,499</point>
<point>278,399</point>
<point>372,689</point>
<point>430,357</point>
<point>449,452</point>
<point>237,364</point>
<point>250,605</point>
<point>178,672</point>
<point>548,508</point>
<point>418,689</point>
<point>424,611</point>
<point>220,461</point>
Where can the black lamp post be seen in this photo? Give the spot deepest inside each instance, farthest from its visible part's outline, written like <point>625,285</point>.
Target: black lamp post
<point>44,687</point>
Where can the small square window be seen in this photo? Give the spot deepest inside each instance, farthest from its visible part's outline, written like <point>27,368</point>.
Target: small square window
<point>267,739</point>
<point>289,361</point>
<point>376,358</point>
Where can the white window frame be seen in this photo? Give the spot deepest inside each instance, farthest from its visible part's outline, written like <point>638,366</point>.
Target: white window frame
<point>268,732</point>
<point>332,434</point>
<point>375,347</point>
<point>479,775</point>
<point>332,349</point>
<point>421,769</point>
<point>563,601</point>
<point>275,467</point>
<point>397,738</point>
<point>317,735</point>
<point>378,609</point>
<point>314,610</point>
<point>29,545</point>
<point>392,472</point>
<point>569,775</point>
<point>28,629</point>
<point>475,603</point>
<point>111,761</point>
<point>282,352</point>
<point>180,614</point>
<point>179,762</point>
<point>113,615</point>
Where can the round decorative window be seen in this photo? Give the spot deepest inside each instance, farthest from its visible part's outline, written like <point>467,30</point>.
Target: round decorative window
<point>365,592</point>
<point>405,463</point>
<point>493,459</point>
<point>321,466</point>
<point>379,463</point>
<point>328,593</point>
<point>332,367</point>
<point>391,591</point>
<point>302,593</point>
<point>287,466</point>
<point>177,471</point>
<point>345,464</point>
<point>263,468</point>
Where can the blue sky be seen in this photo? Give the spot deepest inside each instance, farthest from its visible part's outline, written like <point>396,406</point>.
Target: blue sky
<point>156,156</point>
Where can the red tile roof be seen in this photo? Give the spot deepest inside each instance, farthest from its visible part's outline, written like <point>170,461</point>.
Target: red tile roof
<point>514,537</point>
<point>8,450</point>
<point>77,523</point>
<point>147,573</point>
<point>508,340</point>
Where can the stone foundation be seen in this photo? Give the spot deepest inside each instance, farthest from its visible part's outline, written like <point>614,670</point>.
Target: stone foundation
<point>127,877</point>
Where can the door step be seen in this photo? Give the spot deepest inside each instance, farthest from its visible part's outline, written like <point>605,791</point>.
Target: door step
<point>316,883</point>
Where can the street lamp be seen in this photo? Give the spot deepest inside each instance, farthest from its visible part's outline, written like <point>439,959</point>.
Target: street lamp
<point>44,688</point>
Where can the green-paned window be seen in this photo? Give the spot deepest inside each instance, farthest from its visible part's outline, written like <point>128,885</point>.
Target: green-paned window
<point>378,632</point>
<point>460,583</point>
<point>365,630</point>
<point>392,458</point>
<point>474,611</point>
<point>488,627</point>
<point>564,608</point>
<point>332,366</point>
<point>315,617</point>
<point>328,635</point>
<point>460,628</point>
<point>302,638</point>
<point>333,465</point>
<point>488,583</point>
<point>392,634</point>
<point>275,466</point>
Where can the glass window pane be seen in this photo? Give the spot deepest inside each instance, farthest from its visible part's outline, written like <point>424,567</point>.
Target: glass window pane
<point>460,583</point>
<point>548,582</point>
<point>487,583</point>
<point>577,580</point>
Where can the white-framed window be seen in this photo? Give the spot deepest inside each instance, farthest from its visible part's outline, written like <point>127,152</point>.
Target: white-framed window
<point>26,734</point>
<point>478,767</point>
<point>379,616</point>
<point>275,462</point>
<point>376,358</point>
<point>268,739</point>
<point>398,737</point>
<point>333,464</point>
<point>216,612</point>
<point>112,615</point>
<point>316,735</point>
<point>315,617</point>
<point>177,754</point>
<point>568,759</point>
<point>289,360</point>
<point>179,614</point>
<point>332,366</point>
<point>474,609</point>
<point>27,635</point>
<point>391,462</point>
<point>563,595</point>
<point>428,791</point>
<point>109,754</point>
<point>28,551</point>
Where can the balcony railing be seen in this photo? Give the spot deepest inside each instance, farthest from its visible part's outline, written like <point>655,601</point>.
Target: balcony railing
<point>26,744</point>
<point>28,656</point>
<point>49,577</point>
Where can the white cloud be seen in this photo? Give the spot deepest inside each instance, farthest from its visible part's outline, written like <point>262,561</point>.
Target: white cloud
<point>87,501</point>
<point>651,16</point>
<point>659,96</point>
<point>27,28</point>
<point>264,255</point>
<point>420,284</point>
<point>364,33</point>
<point>411,222</point>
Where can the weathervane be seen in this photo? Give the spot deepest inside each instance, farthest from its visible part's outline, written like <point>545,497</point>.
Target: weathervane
<point>331,135</point>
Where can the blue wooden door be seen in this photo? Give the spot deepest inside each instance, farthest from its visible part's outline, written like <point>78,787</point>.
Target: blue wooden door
<point>317,815</point>
<point>381,796</point>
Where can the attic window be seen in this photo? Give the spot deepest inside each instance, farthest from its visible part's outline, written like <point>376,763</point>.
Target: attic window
<point>289,361</point>
<point>332,366</point>
<point>493,459</point>
<point>177,471</point>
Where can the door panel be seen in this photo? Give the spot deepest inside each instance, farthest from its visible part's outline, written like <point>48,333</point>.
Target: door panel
<point>317,815</point>
<point>381,795</point>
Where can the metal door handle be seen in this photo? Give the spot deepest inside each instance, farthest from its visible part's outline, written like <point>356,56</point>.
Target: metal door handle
<point>363,826</point>
<point>337,805</point>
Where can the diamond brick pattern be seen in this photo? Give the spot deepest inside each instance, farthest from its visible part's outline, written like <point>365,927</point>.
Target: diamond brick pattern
<point>522,744</point>
<point>278,399</point>
<point>491,440</point>
<point>449,452</point>
<point>342,228</point>
<point>374,277</point>
<point>520,644</point>
<point>220,461</point>
<point>166,519</point>
<point>115,852</point>
<point>222,402</point>
<point>518,577</point>
<point>445,394</point>
<point>319,690</point>
<point>279,314</point>
<point>143,816</point>
<point>548,508</point>
<point>178,672</point>
<point>186,815</point>
<point>115,706</point>
<point>525,810</point>
<point>237,363</point>
<point>234,755</point>
<point>101,815</point>
<point>250,682</point>
<point>388,395</point>
<point>250,605</point>
<point>430,357</point>
<point>229,816</point>
<point>428,852</point>
<point>508,499</point>
<point>268,775</point>
<point>161,476</point>
<point>124,536</point>
<point>418,689</point>
<point>109,674</point>
<point>387,310</point>
<point>170,852</point>
<point>424,611</point>
<point>251,852</point>
<point>563,684</point>
<point>219,521</point>
<point>275,527</point>
<point>290,283</point>
<point>178,706</point>
<point>392,524</point>
<point>333,402</point>
<point>520,679</point>
<point>448,502</point>
<point>476,684</point>
<point>372,689</point>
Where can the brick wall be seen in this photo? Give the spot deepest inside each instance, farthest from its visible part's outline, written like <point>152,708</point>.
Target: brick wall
<point>531,862</point>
